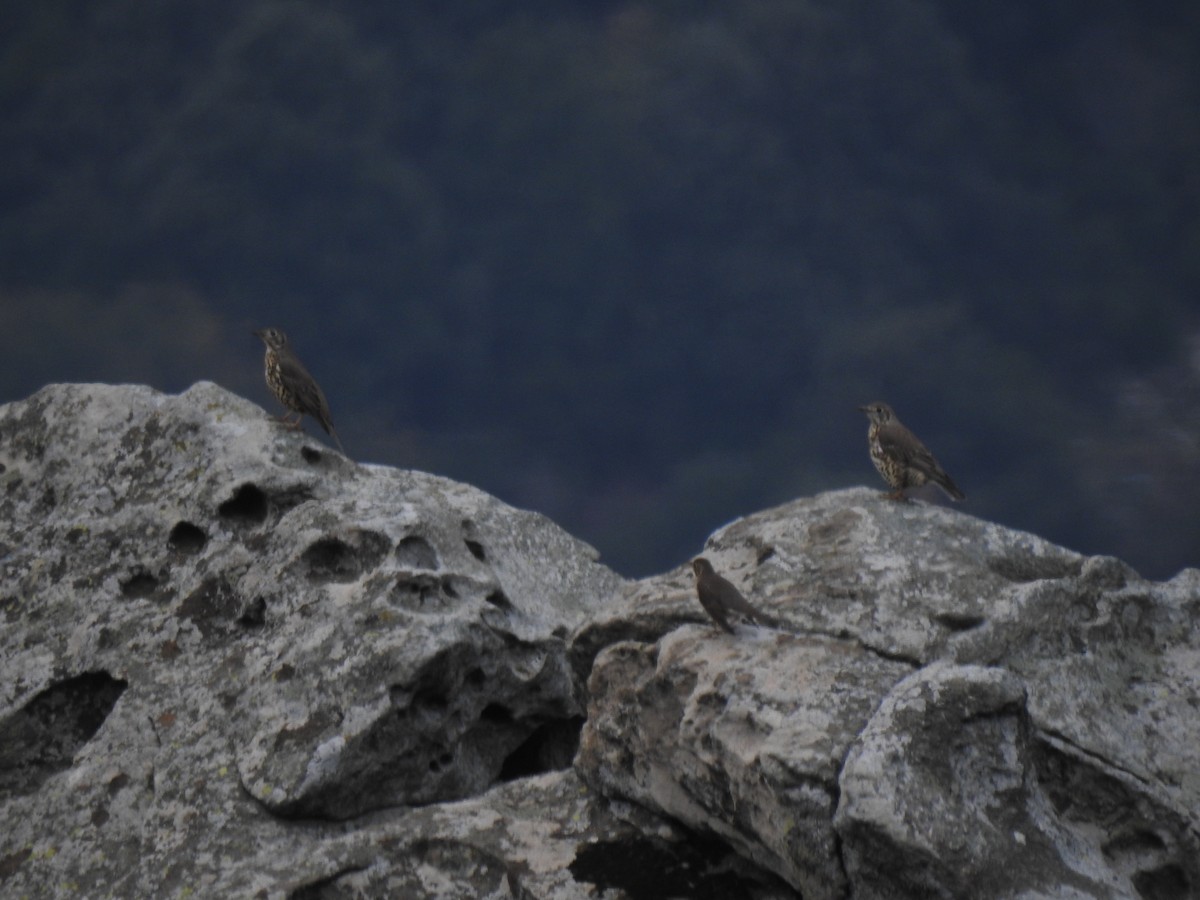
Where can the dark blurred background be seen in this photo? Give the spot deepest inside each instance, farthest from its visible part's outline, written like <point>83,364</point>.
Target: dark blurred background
<point>634,265</point>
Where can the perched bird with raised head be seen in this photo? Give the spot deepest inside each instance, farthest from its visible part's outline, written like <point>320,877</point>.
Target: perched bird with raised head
<point>292,386</point>
<point>722,600</point>
<point>901,458</point>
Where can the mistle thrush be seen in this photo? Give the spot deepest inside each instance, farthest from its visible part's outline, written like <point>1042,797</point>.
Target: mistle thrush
<point>291,384</point>
<point>900,457</point>
<point>722,600</point>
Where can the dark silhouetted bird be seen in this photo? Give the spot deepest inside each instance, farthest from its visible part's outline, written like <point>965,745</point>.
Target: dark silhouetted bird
<point>900,457</point>
<point>722,600</point>
<point>291,384</point>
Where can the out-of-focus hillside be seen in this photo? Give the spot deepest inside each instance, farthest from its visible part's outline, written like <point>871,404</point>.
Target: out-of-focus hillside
<point>635,264</point>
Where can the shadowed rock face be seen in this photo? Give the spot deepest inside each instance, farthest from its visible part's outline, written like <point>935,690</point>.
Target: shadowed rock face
<point>233,664</point>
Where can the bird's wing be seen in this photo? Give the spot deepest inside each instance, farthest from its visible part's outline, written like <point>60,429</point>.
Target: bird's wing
<point>732,599</point>
<point>711,601</point>
<point>900,443</point>
<point>903,444</point>
<point>308,392</point>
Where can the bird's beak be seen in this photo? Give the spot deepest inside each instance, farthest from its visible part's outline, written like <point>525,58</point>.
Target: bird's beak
<point>860,409</point>
<point>257,333</point>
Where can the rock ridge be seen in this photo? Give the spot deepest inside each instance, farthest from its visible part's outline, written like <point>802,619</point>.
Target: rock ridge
<point>237,663</point>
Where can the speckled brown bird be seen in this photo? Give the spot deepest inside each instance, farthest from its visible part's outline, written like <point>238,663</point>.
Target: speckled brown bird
<point>900,457</point>
<point>721,599</point>
<point>291,384</point>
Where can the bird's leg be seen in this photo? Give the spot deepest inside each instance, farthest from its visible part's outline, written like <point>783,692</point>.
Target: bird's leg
<point>897,495</point>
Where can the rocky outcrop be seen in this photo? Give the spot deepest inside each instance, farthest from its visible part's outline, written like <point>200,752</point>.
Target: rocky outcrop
<point>213,627</point>
<point>236,663</point>
<point>958,710</point>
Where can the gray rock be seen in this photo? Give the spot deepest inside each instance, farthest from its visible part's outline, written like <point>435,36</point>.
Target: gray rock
<point>942,797</point>
<point>546,837</point>
<point>214,626</point>
<point>235,663</point>
<point>988,714</point>
<point>741,737</point>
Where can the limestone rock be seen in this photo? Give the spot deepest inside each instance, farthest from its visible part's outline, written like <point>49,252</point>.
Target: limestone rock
<point>989,715</point>
<point>952,792</point>
<point>212,624</point>
<point>546,837</point>
<point>234,663</point>
<point>740,736</point>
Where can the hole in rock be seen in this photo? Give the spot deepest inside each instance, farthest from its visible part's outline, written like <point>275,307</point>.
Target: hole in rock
<point>497,713</point>
<point>418,593</point>
<point>254,614</point>
<point>959,621</point>
<point>211,607</point>
<point>429,700</point>
<point>187,538</point>
<point>650,868</point>
<point>440,762</point>
<point>476,549</point>
<point>1134,843</point>
<point>416,553</point>
<point>1168,882</point>
<point>550,747</point>
<point>499,600</point>
<point>247,506</point>
<point>335,559</point>
<point>475,678</point>
<point>331,559</point>
<point>43,736</point>
<point>139,584</point>
<point>311,455</point>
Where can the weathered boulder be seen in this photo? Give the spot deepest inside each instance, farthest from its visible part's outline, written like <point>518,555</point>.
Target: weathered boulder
<point>955,709</point>
<point>742,737</point>
<point>236,663</point>
<point>952,792</point>
<point>212,623</point>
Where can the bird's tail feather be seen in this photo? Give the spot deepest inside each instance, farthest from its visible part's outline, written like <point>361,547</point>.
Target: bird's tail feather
<point>946,483</point>
<point>337,440</point>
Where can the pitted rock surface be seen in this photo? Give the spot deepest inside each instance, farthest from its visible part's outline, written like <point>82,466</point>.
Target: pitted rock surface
<point>211,621</point>
<point>234,663</point>
<point>1022,722</point>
